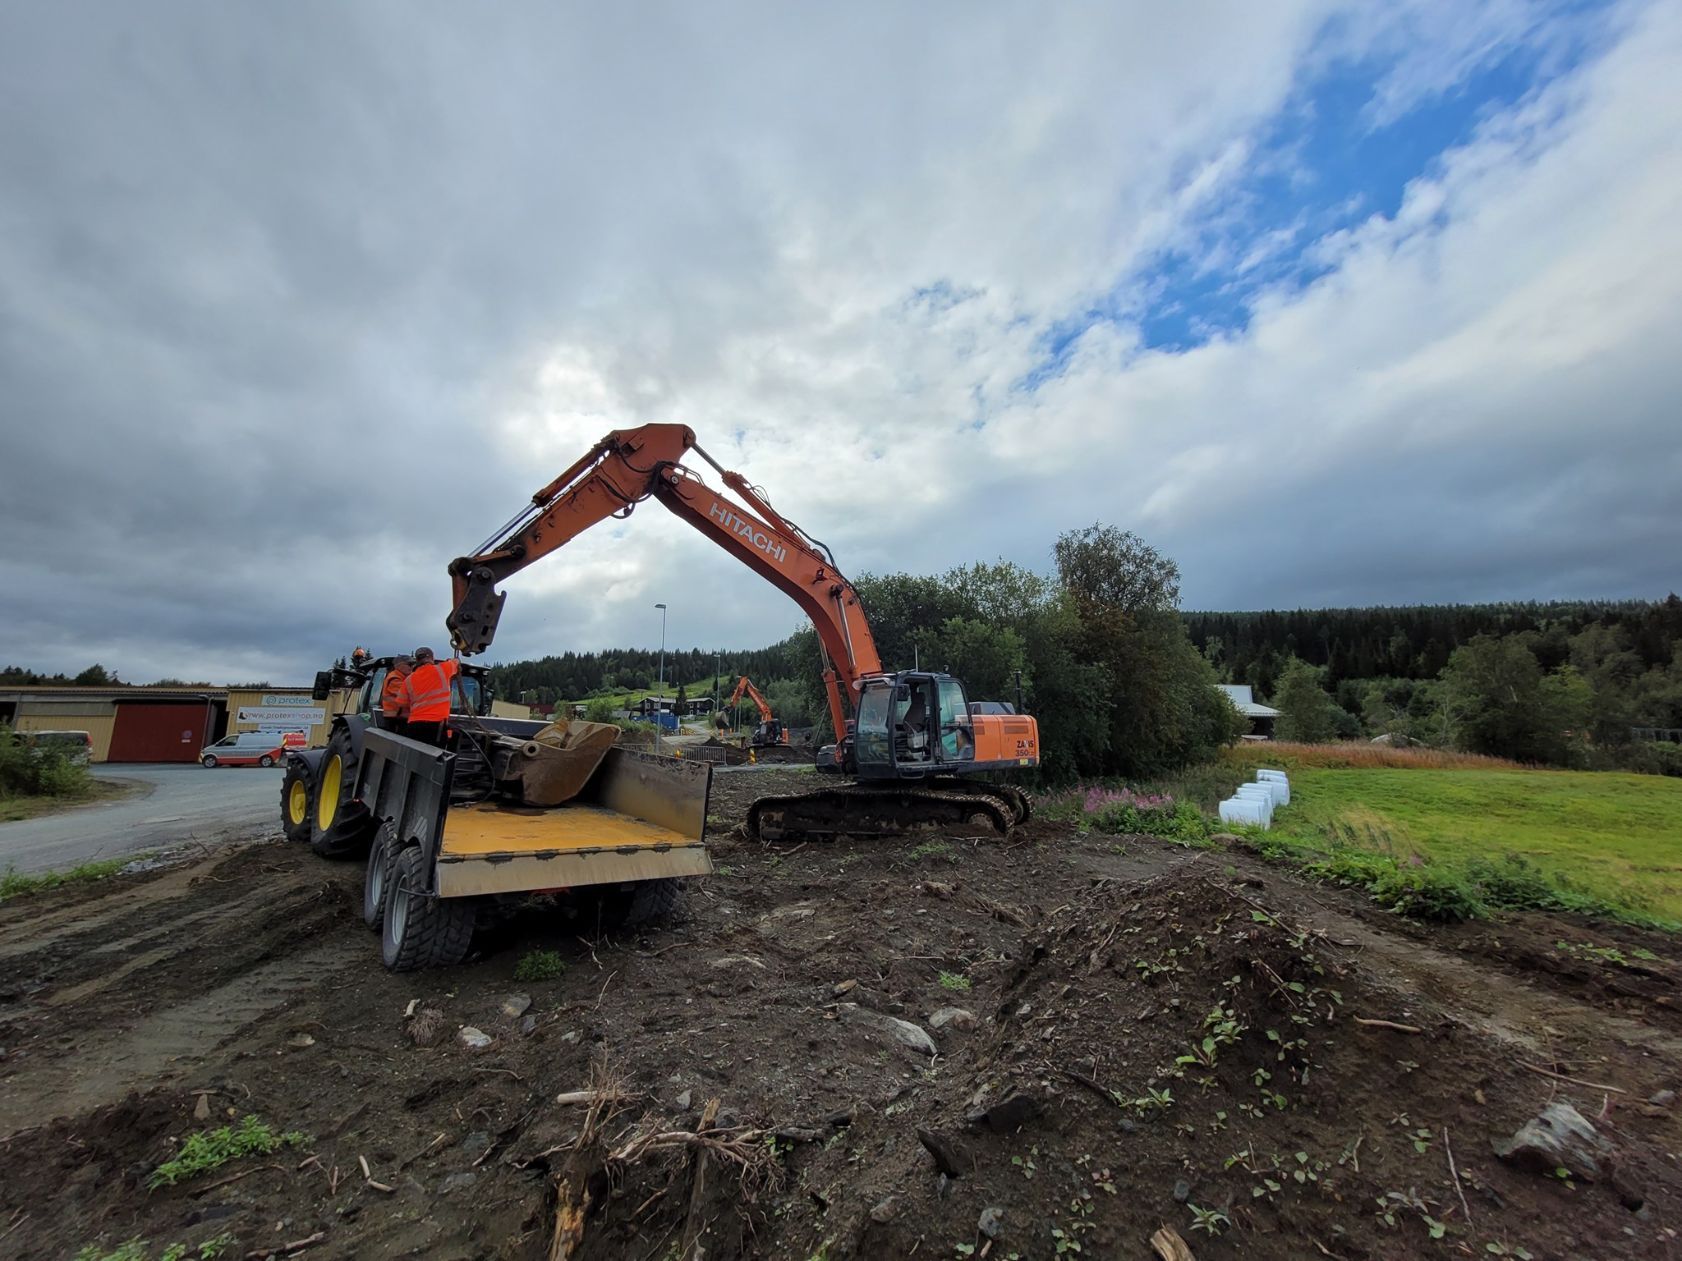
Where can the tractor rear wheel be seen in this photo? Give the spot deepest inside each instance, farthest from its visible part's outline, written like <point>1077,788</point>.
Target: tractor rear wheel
<point>340,826</point>
<point>297,800</point>
<point>421,931</point>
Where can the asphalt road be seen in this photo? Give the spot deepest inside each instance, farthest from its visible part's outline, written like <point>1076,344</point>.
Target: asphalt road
<point>182,803</point>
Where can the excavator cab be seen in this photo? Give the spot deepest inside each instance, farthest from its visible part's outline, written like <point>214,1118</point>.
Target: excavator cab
<point>913,724</point>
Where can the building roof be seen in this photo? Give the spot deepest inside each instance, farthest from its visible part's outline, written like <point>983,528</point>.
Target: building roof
<point>1244,701</point>
<point>123,692</point>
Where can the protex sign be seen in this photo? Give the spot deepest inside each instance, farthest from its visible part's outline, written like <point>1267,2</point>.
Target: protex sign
<point>280,717</point>
<point>749,530</point>
<point>271,700</point>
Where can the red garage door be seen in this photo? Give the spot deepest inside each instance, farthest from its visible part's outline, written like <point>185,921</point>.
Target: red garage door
<point>158,732</point>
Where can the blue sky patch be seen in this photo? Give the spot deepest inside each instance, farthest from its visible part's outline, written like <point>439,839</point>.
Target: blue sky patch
<point>1321,166</point>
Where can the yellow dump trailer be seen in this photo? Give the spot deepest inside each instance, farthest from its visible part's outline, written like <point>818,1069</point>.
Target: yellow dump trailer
<point>634,830</point>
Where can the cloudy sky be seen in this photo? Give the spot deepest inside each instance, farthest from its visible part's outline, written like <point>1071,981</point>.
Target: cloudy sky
<point>1334,303</point>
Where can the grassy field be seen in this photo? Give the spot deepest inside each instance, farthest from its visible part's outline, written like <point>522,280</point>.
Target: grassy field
<point>1606,839</point>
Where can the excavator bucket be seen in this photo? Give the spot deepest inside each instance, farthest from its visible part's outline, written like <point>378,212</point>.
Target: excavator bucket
<point>553,766</point>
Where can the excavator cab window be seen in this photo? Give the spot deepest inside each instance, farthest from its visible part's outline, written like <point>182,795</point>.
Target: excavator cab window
<point>873,729</point>
<point>914,722</point>
<point>957,734</point>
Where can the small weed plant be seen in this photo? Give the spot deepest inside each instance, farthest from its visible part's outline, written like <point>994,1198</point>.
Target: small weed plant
<point>211,1149</point>
<point>1211,1221</point>
<point>136,1250</point>
<point>540,965</point>
<point>954,981</point>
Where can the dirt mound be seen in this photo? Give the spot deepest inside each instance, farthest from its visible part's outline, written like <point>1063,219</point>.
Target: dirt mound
<point>1172,1054</point>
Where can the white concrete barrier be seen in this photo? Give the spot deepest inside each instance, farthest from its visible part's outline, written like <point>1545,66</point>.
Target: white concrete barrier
<point>1279,790</point>
<point>1279,777</point>
<point>1245,810</point>
<point>1258,792</point>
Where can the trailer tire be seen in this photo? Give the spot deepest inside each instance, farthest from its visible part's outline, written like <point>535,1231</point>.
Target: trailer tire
<point>340,827</point>
<point>297,800</point>
<point>377,878</point>
<point>654,902</point>
<point>419,930</point>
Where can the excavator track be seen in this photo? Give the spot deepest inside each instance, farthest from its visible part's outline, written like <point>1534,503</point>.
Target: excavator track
<point>886,810</point>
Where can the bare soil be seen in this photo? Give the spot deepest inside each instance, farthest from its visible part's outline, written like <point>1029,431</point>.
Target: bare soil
<point>1094,969</point>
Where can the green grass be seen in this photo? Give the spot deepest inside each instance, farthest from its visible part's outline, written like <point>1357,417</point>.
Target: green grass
<point>92,792</point>
<point>136,1250</point>
<point>1598,840</point>
<point>540,965</point>
<point>17,884</point>
<point>211,1149</point>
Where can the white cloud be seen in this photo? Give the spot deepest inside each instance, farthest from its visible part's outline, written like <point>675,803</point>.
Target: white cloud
<point>382,279</point>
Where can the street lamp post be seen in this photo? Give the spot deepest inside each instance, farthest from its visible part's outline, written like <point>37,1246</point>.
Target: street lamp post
<point>659,726</point>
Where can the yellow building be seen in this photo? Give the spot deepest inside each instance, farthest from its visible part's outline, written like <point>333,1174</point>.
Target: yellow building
<point>166,724</point>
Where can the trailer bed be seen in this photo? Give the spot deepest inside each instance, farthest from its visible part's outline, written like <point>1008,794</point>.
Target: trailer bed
<point>494,848</point>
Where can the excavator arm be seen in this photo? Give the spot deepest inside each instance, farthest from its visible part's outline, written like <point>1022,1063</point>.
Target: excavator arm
<point>631,465</point>
<point>763,705</point>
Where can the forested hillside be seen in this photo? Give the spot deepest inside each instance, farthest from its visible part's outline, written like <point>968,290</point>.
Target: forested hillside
<point>1114,673</point>
<point>1415,642</point>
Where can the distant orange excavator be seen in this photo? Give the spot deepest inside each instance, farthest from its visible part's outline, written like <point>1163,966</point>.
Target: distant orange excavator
<point>912,740</point>
<point>770,730</point>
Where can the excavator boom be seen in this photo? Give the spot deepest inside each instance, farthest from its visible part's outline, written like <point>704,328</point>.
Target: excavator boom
<point>631,465</point>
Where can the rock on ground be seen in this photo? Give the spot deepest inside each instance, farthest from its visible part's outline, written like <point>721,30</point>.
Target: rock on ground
<point>1557,1138</point>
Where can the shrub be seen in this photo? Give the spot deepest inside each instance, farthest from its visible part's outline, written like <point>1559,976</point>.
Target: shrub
<point>1648,757</point>
<point>601,709</point>
<point>1427,892</point>
<point>540,965</point>
<point>37,772</point>
<point>1124,811</point>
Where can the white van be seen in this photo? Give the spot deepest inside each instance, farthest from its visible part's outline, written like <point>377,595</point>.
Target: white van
<point>76,746</point>
<point>248,748</point>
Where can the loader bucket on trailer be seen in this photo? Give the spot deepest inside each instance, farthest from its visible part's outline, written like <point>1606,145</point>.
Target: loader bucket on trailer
<point>556,764</point>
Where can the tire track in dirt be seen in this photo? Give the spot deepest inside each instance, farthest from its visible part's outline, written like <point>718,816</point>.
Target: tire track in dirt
<point>166,1046</point>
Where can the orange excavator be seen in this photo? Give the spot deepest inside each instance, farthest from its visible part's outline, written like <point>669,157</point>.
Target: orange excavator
<point>908,738</point>
<point>771,729</point>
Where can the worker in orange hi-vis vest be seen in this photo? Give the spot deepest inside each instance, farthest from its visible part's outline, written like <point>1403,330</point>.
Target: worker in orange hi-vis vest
<point>427,691</point>
<point>394,702</point>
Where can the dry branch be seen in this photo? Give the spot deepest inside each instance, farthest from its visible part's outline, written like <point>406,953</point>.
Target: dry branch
<point>286,1249</point>
<point>609,1095</point>
<point>1454,1176</point>
<point>1169,1246</point>
<point>1575,1081</point>
<point>1386,1024</point>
